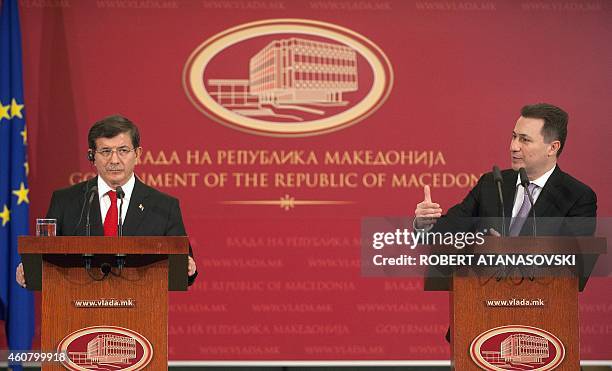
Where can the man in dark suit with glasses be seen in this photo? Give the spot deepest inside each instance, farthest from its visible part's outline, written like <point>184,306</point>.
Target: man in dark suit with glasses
<point>114,149</point>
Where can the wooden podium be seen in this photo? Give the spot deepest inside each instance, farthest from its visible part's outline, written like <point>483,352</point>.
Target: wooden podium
<point>483,299</point>
<point>118,319</point>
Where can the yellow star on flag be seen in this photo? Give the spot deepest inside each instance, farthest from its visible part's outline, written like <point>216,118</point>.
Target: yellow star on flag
<point>16,109</point>
<point>22,194</point>
<point>4,112</point>
<point>5,215</point>
<point>27,168</point>
<point>24,134</point>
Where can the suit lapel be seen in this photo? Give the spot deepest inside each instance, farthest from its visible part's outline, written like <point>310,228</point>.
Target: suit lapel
<point>136,210</point>
<point>549,194</point>
<point>546,200</point>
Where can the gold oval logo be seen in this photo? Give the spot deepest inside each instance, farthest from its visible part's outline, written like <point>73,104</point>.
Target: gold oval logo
<point>517,347</point>
<point>105,347</point>
<point>288,77</point>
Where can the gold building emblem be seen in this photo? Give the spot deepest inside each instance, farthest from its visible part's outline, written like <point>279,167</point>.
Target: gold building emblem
<point>288,77</point>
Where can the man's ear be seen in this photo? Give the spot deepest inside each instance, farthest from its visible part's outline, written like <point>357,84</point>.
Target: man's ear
<point>553,148</point>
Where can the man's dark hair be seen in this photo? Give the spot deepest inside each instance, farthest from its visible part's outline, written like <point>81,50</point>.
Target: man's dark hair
<point>555,121</point>
<point>110,127</point>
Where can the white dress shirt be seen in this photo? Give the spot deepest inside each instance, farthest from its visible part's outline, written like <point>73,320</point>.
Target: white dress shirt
<point>520,192</point>
<point>105,201</point>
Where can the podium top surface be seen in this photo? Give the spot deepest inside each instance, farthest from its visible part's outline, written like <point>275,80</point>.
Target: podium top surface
<point>150,245</point>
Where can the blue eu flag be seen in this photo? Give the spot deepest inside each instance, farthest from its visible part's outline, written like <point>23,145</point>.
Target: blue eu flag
<point>16,303</point>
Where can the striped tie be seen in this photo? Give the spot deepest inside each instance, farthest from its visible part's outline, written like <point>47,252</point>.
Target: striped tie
<point>519,220</point>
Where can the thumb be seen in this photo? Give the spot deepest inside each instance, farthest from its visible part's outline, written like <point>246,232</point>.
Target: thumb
<point>427,192</point>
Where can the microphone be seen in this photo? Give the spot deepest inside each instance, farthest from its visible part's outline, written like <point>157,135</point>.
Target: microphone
<point>85,193</point>
<point>93,192</point>
<point>87,258</point>
<point>120,196</point>
<point>120,257</point>
<point>525,184</point>
<point>497,178</point>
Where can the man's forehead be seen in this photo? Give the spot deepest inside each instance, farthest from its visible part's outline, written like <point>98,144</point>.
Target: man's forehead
<point>528,126</point>
<point>119,139</point>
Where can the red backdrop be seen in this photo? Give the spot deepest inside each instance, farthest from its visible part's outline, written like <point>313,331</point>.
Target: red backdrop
<point>282,284</point>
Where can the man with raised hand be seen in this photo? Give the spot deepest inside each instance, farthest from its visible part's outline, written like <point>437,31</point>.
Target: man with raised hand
<point>538,139</point>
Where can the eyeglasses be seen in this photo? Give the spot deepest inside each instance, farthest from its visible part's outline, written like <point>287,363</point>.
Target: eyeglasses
<point>122,152</point>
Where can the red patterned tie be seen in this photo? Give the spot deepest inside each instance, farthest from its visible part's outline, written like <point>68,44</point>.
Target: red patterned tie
<point>112,217</point>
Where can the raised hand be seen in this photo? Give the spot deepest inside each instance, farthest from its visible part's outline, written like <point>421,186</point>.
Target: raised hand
<point>427,212</point>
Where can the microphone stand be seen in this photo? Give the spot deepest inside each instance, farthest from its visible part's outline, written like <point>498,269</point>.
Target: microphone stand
<point>525,184</point>
<point>498,181</point>
<point>120,196</point>
<point>120,257</point>
<point>497,178</point>
<point>87,258</point>
<point>88,222</point>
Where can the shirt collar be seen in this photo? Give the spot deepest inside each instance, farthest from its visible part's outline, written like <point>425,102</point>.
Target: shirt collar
<point>541,181</point>
<point>127,188</point>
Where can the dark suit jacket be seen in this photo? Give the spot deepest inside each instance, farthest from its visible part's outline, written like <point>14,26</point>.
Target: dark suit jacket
<point>565,206</point>
<point>160,214</point>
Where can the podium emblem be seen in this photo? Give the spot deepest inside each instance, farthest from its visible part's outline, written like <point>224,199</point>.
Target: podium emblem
<point>106,348</point>
<point>517,347</point>
<point>288,77</point>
